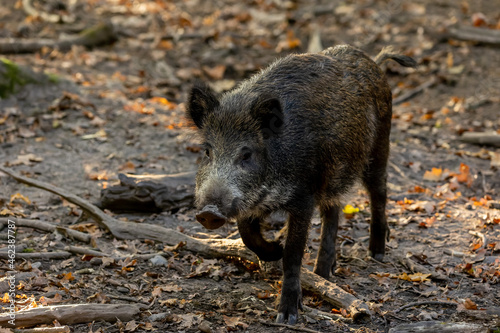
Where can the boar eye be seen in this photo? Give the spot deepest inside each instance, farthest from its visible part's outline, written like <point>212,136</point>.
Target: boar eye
<point>246,156</point>
<point>207,153</point>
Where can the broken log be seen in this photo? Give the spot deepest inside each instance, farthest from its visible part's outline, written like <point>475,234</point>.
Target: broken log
<point>335,295</point>
<point>149,193</point>
<point>481,138</point>
<point>100,34</point>
<point>218,248</point>
<point>71,314</point>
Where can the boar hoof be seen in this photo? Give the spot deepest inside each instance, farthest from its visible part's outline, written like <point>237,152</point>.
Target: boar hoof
<point>210,217</point>
<point>292,319</point>
<point>378,257</point>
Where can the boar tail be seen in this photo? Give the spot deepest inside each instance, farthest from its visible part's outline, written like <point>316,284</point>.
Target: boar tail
<point>387,54</point>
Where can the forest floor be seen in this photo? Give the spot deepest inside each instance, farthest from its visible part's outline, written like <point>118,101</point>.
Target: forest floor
<point>119,109</point>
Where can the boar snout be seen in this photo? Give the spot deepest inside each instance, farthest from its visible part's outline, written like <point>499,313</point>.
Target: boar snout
<point>210,217</point>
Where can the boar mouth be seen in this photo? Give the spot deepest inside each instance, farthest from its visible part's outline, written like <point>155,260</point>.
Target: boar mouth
<point>210,217</point>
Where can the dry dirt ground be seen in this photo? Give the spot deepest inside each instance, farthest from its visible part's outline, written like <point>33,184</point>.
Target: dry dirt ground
<point>119,109</point>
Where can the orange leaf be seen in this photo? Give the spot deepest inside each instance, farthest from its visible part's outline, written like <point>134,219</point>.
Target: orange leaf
<point>216,73</point>
<point>434,174</point>
<point>264,295</point>
<point>470,305</point>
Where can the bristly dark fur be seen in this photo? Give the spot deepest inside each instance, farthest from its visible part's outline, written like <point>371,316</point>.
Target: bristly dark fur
<point>297,136</point>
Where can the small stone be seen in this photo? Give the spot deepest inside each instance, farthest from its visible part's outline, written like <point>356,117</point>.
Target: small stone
<point>204,326</point>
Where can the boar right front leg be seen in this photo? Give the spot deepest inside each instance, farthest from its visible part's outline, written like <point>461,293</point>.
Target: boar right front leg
<point>251,235</point>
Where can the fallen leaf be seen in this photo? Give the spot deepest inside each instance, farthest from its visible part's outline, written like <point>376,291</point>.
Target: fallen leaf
<point>433,175</point>
<point>215,73</point>
<point>290,43</point>
<point>233,322</point>
<point>171,287</point>
<point>100,134</point>
<point>131,326</point>
<point>169,302</point>
<point>21,197</point>
<point>470,305</point>
<point>188,320</point>
<point>350,210</point>
<point>26,159</point>
<point>26,133</point>
<point>479,20</point>
<point>264,295</point>
<point>495,160</point>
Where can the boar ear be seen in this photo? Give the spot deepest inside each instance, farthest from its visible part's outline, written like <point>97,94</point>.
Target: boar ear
<point>270,115</point>
<point>202,100</point>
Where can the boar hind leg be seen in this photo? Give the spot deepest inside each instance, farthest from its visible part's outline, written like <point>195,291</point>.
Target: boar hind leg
<point>251,235</point>
<point>375,178</point>
<point>325,262</point>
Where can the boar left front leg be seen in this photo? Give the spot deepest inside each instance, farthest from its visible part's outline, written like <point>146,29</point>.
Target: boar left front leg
<point>296,239</point>
<point>252,237</point>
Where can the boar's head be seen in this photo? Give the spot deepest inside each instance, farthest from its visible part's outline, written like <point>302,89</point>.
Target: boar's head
<point>236,129</point>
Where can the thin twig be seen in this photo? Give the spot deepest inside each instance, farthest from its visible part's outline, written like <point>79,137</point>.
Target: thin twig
<point>415,91</point>
<point>128,299</point>
<point>454,253</point>
<point>409,305</point>
<point>82,250</point>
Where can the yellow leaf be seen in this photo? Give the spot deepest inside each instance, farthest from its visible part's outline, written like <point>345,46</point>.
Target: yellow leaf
<point>99,134</point>
<point>20,196</point>
<point>6,211</point>
<point>348,209</point>
<point>418,277</point>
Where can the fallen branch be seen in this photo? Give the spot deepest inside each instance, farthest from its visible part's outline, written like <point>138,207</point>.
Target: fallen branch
<point>441,327</point>
<point>474,34</point>
<point>45,226</point>
<point>82,250</point>
<point>100,34</point>
<point>71,314</point>
<point>217,248</point>
<point>60,329</point>
<point>454,253</point>
<point>410,305</point>
<point>415,91</point>
<point>130,230</point>
<point>38,255</point>
<point>481,138</point>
